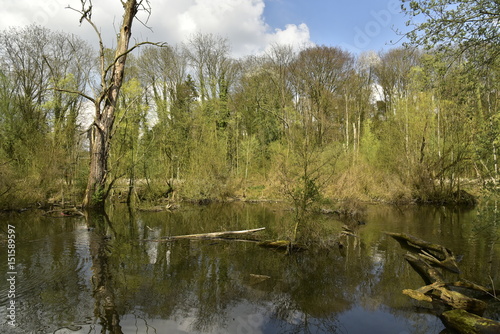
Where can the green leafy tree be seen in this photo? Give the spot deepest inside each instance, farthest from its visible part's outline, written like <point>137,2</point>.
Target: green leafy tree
<point>39,124</point>
<point>258,110</point>
<point>456,26</point>
<point>319,77</point>
<point>125,152</point>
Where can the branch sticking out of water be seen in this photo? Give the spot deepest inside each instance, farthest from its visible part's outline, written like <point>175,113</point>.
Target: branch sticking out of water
<point>212,235</point>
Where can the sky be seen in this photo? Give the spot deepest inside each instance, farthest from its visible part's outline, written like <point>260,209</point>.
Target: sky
<point>251,26</point>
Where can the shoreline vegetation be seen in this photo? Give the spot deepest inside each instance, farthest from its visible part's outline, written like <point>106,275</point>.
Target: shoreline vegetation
<point>62,207</point>
<point>307,126</point>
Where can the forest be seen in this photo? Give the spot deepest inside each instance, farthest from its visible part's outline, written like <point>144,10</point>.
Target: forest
<point>408,124</point>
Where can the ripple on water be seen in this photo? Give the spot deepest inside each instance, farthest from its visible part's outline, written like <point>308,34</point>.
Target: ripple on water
<point>46,287</point>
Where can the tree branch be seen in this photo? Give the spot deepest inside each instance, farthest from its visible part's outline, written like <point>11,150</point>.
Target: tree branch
<point>87,15</point>
<point>162,45</point>
<point>73,92</point>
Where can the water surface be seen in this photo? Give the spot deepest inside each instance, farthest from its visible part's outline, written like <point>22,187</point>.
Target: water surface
<point>102,275</point>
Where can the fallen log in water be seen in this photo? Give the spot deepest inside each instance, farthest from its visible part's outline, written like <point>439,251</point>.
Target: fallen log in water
<point>440,292</point>
<point>493,293</point>
<point>428,273</point>
<point>433,253</point>
<point>212,235</point>
<point>427,259</point>
<point>468,323</point>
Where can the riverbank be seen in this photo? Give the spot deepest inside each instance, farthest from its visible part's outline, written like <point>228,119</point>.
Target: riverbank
<point>166,195</point>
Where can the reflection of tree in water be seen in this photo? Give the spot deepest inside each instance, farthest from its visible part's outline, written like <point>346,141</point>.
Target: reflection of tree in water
<point>309,295</point>
<point>102,278</point>
<point>206,284</point>
<point>203,282</point>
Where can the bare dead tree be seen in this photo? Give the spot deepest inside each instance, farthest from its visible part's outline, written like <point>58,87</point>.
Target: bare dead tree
<point>105,101</point>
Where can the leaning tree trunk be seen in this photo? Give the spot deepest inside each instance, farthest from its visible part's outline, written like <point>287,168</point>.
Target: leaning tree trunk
<point>105,105</point>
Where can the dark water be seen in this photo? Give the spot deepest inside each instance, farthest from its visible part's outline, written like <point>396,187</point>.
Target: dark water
<point>70,279</point>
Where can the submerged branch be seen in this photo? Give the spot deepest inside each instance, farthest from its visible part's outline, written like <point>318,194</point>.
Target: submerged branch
<point>434,253</point>
<point>212,235</point>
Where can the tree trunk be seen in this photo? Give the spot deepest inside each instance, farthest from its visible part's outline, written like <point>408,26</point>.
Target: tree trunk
<point>102,128</point>
<point>96,183</point>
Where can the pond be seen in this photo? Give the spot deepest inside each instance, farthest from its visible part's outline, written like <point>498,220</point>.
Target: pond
<point>106,276</point>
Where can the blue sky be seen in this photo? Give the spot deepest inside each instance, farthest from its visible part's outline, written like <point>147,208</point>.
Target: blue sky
<point>358,25</point>
<point>249,25</point>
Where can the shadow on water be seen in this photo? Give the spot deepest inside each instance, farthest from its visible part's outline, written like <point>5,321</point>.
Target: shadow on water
<point>102,275</point>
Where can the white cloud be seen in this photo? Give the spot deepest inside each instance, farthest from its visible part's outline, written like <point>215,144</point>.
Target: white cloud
<point>241,21</point>
<point>172,21</point>
<point>292,34</point>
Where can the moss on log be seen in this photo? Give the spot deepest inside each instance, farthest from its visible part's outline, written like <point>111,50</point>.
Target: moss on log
<point>467,323</point>
<point>462,302</point>
<point>427,259</point>
<point>62,213</point>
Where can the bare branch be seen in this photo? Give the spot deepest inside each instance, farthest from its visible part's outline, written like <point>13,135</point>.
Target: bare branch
<point>87,16</point>
<point>147,8</point>
<point>132,49</point>
<point>73,92</point>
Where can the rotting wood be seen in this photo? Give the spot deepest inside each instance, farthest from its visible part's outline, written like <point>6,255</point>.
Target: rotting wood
<point>473,286</point>
<point>417,295</point>
<point>212,235</point>
<point>460,301</point>
<point>427,259</point>
<point>468,323</point>
<point>434,253</point>
<point>454,299</point>
<point>428,273</point>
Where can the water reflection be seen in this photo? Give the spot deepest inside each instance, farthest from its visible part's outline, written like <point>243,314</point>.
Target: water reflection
<point>105,308</point>
<point>101,275</point>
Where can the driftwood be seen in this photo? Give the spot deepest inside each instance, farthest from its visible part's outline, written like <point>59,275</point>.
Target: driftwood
<point>242,235</point>
<point>212,235</point>
<point>465,322</point>
<point>428,273</point>
<point>473,286</point>
<point>427,259</point>
<point>454,299</point>
<point>436,254</point>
